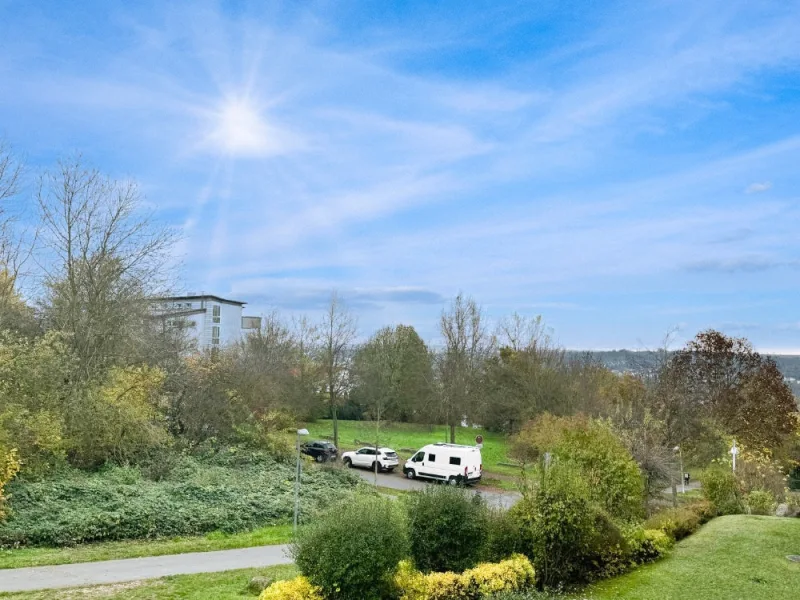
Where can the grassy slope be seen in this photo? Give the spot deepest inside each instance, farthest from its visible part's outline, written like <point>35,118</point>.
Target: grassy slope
<point>207,586</point>
<point>406,438</point>
<point>34,557</point>
<point>730,558</point>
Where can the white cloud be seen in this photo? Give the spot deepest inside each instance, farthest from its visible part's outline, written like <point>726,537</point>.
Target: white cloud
<point>755,188</point>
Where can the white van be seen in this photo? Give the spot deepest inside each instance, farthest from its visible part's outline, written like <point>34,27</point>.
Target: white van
<point>453,463</point>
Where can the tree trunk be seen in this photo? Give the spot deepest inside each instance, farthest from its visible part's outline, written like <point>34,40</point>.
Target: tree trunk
<point>335,425</point>
<point>452,433</point>
<point>674,494</point>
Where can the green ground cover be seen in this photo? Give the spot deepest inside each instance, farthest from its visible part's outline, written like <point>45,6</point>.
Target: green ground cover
<point>229,491</point>
<point>730,557</point>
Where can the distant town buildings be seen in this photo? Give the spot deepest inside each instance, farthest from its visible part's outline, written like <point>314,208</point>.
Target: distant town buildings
<point>211,321</point>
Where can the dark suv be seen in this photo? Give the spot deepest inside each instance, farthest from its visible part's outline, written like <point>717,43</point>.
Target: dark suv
<point>320,451</point>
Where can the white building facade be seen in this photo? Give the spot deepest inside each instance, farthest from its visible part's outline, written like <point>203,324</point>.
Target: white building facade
<point>210,321</point>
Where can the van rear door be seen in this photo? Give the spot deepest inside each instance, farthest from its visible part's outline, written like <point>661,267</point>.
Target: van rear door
<point>473,462</point>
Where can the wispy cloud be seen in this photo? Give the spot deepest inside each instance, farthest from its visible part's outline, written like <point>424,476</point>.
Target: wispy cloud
<point>744,264</point>
<point>755,188</point>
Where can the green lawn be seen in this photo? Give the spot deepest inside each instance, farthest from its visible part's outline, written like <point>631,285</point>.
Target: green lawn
<point>406,438</point>
<point>206,586</point>
<point>34,557</point>
<point>730,558</point>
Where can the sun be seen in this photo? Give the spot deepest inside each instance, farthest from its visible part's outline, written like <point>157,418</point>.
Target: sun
<point>241,129</point>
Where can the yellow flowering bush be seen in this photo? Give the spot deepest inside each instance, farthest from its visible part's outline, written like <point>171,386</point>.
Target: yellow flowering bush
<point>510,575</point>
<point>299,588</point>
<point>9,466</point>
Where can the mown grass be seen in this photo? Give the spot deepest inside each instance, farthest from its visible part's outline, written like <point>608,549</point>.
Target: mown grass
<point>730,557</point>
<point>35,557</point>
<point>406,438</point>
<point>206,586</point>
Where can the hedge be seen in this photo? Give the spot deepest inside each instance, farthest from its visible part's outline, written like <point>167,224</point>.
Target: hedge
<point>223,493</point>
<point>486,579</point>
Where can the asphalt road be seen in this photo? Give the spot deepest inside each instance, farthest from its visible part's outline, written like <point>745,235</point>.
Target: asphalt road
<point>134,569</point>
<point>397,481</point>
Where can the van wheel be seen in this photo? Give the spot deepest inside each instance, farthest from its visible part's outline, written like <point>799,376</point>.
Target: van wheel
<point>410,474</point>
<point>348,463</point>
<point>453,481</point>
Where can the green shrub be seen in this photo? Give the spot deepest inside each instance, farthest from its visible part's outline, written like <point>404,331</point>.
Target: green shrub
<point>568,538</point>
<point>231,491</point>
<point>646,545</point>
<point>722,489</point>
<point>761,502</point>
<point>503,538</point>
<point>677,523</point>
<point>704,510</point>
<point>351,551</point>
<point>615,481</point>
<point>448,528</point>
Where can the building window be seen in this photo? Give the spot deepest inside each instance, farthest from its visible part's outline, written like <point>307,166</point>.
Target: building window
<point>215,314</point>
<point>215,336</point>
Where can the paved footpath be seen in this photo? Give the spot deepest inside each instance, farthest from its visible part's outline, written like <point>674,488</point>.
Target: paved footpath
<point>133,569</point>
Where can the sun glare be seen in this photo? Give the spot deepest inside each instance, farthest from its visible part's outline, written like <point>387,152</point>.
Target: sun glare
<point>240,129</point>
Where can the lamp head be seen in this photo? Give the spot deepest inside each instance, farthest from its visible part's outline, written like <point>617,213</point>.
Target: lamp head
<point>302,432</point>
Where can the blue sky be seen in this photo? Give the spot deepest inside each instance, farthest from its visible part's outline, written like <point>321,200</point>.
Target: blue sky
<point>619,168</point>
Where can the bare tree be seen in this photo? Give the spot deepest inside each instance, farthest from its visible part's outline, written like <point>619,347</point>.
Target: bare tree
<point>106,259</point>
<point>308,375</point>
<point>337,333</point>
<point>520,333</point>
<point>460,364</point>
<point>15,247</point>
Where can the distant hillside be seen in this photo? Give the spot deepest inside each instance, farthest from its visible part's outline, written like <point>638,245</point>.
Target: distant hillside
<point>633,361</point>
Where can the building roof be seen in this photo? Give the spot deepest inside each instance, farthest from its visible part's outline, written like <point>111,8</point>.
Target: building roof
<point>199,297</point>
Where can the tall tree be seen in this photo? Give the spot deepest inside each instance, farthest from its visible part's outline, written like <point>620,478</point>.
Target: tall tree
<point>307,372</point>
<point>337,333</point>
<point>724,380</point>
<point>10,180</point>
<point>525,378</point>
<point>393,374</point>
<point>265,363</point>
<point>15,314</point>
<point>467,344</point>
<point>106,259</point>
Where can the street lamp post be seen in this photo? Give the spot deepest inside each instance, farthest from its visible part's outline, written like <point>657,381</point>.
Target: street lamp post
<point>300,432</point>
<point>683,479</point>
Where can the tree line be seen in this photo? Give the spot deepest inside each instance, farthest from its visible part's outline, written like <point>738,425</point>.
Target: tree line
<point>88,375</point>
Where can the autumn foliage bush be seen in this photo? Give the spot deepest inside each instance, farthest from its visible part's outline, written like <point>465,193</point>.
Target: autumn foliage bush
<point>613,478</point>
<point>486,579</point>
<point>9,466</point>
